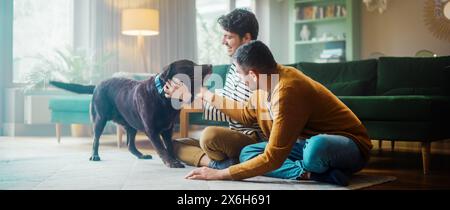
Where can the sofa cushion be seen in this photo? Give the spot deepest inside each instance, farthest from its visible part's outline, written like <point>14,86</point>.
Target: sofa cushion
<point>352,88</point>
<point>415,91</point>
<point>70,117</point>
<point>70,103</point>
<point>356,78</point>
<point>409,76</point>
<point>399,108</point>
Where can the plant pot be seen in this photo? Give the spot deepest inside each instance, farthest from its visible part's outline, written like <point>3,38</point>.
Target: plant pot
<point>79,130</point>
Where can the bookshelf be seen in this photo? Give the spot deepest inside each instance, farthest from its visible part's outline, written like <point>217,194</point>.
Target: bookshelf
<point>324,31</point>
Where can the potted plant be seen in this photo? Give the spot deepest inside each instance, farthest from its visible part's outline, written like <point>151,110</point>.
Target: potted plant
<point>67,65</point>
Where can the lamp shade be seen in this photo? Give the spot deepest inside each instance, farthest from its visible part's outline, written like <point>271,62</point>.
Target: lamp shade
<point>140,22</point>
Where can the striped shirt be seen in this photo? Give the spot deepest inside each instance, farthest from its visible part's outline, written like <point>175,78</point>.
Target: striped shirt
<point>237,90</point>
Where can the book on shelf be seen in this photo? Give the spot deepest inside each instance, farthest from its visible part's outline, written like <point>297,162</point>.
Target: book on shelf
<point>320,12</point>
<point>338,11</point>
<point>330,11</point>
<point>332,53</point>
<point>344,12</point>
<point>308,13</point>
<point>330,60</point>
<point>331,56</point>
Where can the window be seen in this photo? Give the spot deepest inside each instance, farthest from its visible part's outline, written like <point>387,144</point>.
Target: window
<point>40,28</point>
<point>244,4</point>
<point>209,32</point>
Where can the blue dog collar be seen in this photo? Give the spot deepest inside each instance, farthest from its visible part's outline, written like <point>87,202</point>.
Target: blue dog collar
<point>159,84</point>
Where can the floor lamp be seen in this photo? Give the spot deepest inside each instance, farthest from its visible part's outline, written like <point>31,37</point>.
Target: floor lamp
<point>140,23</point>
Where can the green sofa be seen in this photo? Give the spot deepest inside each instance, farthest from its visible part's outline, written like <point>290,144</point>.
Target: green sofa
<point>397,99</point>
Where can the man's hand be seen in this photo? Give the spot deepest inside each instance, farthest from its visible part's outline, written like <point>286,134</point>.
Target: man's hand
<point>206,173</point>
<point>177,90</point>
<point>205,95</point>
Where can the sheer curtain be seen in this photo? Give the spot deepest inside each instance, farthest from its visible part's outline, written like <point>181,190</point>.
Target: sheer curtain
<point>98,28</point>
<point>6,57</point>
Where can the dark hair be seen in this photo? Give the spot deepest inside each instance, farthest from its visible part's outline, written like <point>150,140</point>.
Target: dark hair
<point>240,21</point>
<point>256,55</point>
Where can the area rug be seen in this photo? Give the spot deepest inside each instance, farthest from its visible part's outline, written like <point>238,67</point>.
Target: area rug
<point>119,170</point>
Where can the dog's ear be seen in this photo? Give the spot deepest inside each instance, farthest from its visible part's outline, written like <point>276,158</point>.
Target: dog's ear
<point>168,72</point>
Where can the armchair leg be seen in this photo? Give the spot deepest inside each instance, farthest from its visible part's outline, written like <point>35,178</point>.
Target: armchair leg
<point>380,144</point>
<point>119,133</point>
<point>58,132</point>
<point>426,153</point>
<point>392,145</point>
<point>184,124</point>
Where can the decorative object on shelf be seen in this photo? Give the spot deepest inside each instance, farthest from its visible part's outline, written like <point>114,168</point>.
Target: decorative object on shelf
<point>437,18</point>
<point>305,33</point>
<point>379,5</point>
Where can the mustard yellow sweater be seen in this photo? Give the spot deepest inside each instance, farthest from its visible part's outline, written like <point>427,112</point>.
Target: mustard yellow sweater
<point>299,109</point>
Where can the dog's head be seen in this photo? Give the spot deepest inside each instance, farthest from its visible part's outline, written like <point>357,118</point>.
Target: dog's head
<point>187,72</point>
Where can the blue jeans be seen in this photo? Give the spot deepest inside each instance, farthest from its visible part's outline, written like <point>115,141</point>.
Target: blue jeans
<point>318,155</point>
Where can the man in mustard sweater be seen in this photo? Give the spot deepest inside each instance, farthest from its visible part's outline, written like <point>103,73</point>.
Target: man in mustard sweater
<point>310,133</point>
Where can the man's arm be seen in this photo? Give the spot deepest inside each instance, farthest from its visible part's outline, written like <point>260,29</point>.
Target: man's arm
<point>233,89</point>
<point>244,113</point>
<point>290,118</point>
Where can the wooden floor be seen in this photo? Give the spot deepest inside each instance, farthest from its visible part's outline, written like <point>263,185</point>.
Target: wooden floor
<point>405,163</point>
<point>407,167</point>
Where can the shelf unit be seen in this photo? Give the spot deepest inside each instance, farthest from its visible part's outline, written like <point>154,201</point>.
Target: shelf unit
<point>333,24</point>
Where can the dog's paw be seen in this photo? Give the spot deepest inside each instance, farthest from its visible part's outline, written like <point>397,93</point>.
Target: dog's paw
<point>174,164</point>
<point>145,157</point>
<point>94,158</point>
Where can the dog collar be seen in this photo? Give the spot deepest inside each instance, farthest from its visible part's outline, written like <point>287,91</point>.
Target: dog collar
<point>159,84</point>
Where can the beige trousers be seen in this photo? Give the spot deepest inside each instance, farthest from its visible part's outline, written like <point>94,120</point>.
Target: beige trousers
<point>218,143</point>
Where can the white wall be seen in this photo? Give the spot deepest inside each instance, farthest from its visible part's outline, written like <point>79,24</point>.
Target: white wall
<point>400,31</point>
<point>274,27</point>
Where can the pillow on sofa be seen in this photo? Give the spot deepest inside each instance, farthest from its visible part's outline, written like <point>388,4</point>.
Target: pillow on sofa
<point>348,72</point>
<point>352,88</point>
<point>423,74</point>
